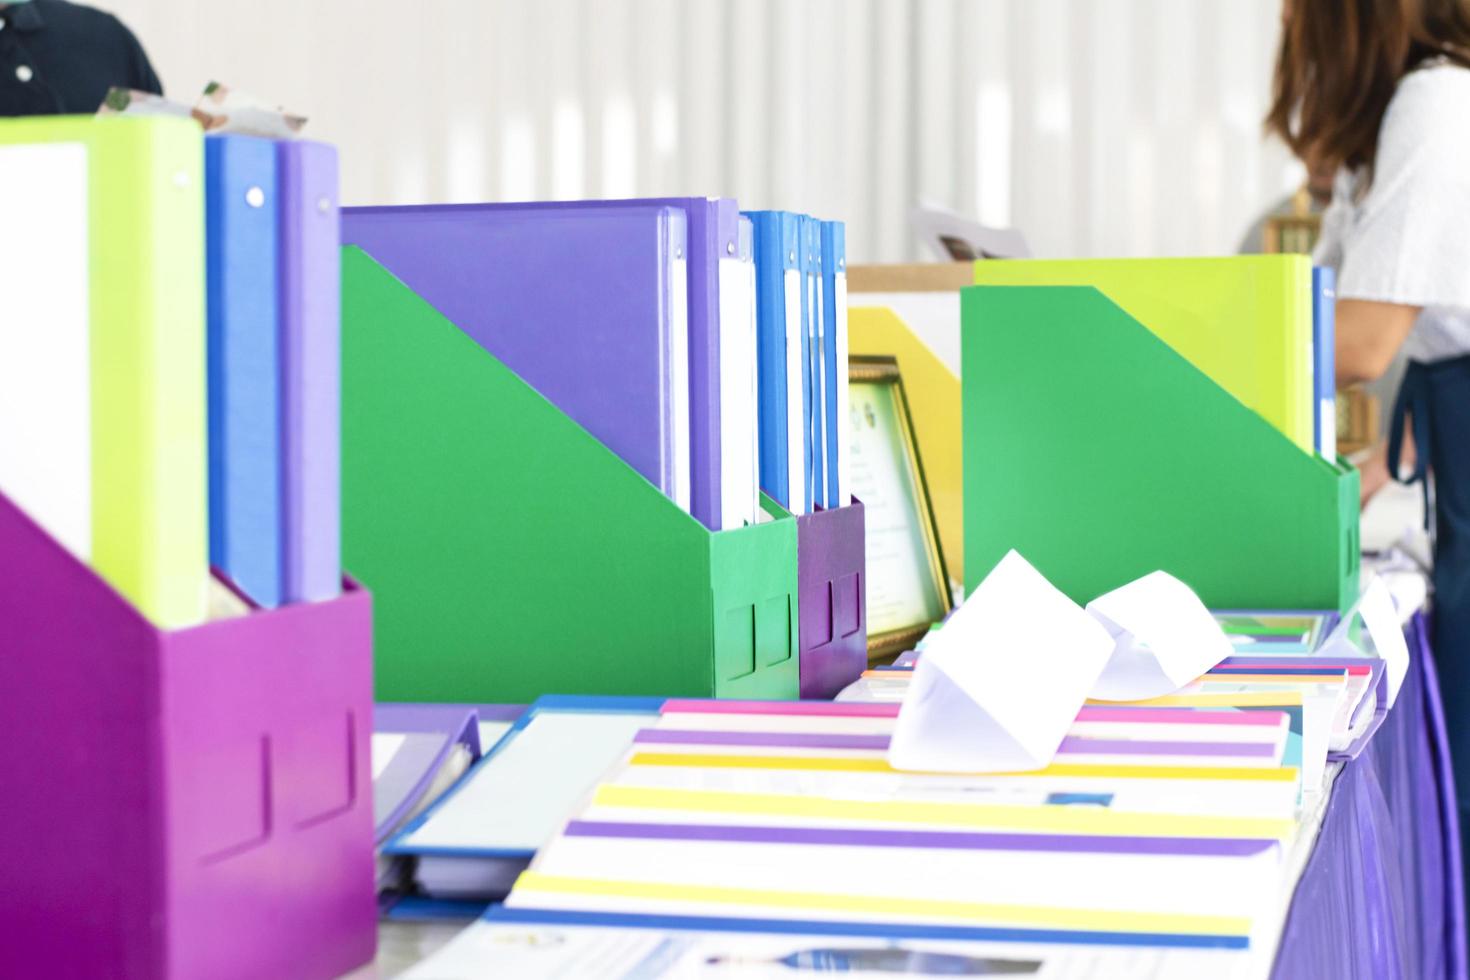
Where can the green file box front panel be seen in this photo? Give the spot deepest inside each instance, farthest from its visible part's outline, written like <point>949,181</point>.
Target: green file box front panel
<point>509,552</point>
<point>754,603</point>
<point>1100,454</point>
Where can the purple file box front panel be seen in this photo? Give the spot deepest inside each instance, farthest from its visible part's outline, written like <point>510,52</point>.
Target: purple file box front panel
<point>184,804</point>
<point>831,599</point>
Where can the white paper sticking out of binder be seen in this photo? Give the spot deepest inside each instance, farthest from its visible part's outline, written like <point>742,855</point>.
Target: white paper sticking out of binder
<point>45,374</point>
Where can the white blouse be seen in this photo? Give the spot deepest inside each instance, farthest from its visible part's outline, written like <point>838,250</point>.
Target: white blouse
<point>1407,239</point>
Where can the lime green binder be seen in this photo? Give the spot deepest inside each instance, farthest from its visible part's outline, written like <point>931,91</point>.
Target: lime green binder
<point>1246,321</point>
<point>510,554</point>
<point>1100,454</point>
<point>146,337</point>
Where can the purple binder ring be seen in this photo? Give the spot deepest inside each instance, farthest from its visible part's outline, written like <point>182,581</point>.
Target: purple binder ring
<point>187,803</point>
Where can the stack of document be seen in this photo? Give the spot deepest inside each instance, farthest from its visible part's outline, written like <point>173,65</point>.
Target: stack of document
<point>789,812</point>
<point>1261,632</point>
<point>1331,703</point>
<point>801,291</point>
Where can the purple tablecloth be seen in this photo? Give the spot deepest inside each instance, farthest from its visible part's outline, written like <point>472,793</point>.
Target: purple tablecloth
<point>1382,896</point>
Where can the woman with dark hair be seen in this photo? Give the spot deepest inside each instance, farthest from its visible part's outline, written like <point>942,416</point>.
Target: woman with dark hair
<point>1379,90</point>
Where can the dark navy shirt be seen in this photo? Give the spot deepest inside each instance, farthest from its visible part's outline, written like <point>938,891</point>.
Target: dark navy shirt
<point>58,57</point>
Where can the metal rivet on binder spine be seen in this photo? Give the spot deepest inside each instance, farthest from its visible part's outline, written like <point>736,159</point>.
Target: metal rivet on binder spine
<point>255,197</point>
<point>323,204</point>
<point>730,249</point>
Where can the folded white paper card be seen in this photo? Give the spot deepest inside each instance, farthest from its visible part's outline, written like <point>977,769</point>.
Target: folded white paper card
<point>1164,636</point>
<point>998,687</point>
<point>1381,618</point>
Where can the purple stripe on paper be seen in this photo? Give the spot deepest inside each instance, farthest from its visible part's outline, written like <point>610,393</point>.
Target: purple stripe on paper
<point>790,740</point>
<point>829,740</point>
<point>1121,746</point>
<point>949,840</point>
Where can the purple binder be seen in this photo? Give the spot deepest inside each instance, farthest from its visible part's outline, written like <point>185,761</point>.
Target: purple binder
<point>182,804</point>
<point>578,303</point>
<point>832,599</point>
<point>712,229</point>
<point>311,361</point>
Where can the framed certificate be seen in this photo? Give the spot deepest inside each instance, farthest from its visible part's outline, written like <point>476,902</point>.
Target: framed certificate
<point>908,586</point>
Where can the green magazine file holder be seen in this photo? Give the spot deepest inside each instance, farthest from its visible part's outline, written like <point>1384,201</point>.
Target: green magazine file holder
<point>1101,455</point>
<point>512,555</point>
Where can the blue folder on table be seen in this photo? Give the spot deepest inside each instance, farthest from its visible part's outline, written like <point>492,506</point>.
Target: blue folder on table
<point>531,761</point>
<point>1324,359</point>
<point>834,356</point>
<point>583,304</point>
<point>778,342</point>
<point>246,456</point>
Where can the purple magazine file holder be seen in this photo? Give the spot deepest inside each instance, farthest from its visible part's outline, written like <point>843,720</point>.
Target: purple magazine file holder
<point>831,599</point>
<point>187,803</point>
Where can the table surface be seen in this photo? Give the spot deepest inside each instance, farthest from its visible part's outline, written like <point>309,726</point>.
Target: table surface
<point>403,944</point>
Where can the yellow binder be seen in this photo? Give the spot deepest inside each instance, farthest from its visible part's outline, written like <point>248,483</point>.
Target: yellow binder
<point>146,327</point>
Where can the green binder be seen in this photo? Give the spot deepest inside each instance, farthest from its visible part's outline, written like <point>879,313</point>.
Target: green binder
<point>510,554</point>
<point>1101,454</point>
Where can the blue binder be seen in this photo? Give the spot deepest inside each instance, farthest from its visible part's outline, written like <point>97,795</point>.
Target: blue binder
<point>245,455</point>
<point>1324,359</point>
<point>834,354</point>
<point>811,244</point>
<point>778,353</point>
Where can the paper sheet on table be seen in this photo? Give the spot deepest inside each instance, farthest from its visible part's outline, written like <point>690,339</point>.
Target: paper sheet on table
<point>1375,608</point>
<point>1164,638</point>
<point>537,945</point>
<point>1382,620</point>
<point>998,687</point>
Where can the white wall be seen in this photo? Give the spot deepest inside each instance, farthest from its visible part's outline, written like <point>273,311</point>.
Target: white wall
<point>1099,127</point>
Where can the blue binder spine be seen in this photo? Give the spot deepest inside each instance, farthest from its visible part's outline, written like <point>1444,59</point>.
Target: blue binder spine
<point>834,354</point>
<point>246,510</point>
<point>804,259</point>
<point>812,244</point>
<point>1324,341</point>
<point>770,299</point>
<point>819,379</point>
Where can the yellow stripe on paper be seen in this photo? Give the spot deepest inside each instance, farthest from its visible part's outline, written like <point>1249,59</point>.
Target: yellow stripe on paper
<point>1036,818</point>
<point>1241,699</point>
<point>1280,680</point>
<point>812,763</point>
<point>1099,920</point>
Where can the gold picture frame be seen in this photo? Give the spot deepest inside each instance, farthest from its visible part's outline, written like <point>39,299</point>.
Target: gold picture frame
<point>882,374</point>
<point>1295,230</point>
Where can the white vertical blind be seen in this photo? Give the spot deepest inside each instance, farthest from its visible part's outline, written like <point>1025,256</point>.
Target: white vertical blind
<point>1098,127</point>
